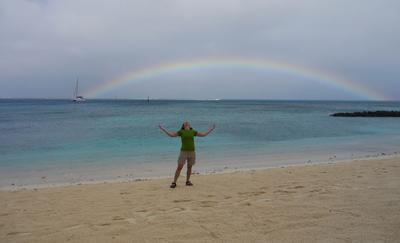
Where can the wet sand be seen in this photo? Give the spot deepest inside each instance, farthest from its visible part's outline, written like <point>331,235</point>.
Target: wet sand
<point>355,201</point>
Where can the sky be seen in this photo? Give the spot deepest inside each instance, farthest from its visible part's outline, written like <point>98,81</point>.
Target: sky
<point>45,45</point>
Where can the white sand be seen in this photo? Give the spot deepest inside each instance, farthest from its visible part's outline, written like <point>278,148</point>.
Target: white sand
<point>344,202</point>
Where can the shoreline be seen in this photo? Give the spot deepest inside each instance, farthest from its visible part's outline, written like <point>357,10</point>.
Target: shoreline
<point>224,170</point>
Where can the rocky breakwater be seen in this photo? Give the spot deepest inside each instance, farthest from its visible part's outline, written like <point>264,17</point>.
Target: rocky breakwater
<point>368,114</point>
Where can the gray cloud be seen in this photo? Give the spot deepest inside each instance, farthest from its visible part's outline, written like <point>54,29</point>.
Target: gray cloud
<point>45,44</point>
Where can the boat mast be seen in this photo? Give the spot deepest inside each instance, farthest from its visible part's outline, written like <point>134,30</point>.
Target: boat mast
<point>76,87</point>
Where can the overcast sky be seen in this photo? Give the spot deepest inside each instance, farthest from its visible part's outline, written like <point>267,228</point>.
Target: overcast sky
<point>45,44</point>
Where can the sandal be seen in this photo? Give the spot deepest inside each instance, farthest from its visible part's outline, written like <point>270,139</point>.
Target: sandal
<point>188,183</point>
<point>173,185</point>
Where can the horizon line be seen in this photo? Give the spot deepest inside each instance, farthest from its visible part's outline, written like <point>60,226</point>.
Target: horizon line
<point>200,99</point>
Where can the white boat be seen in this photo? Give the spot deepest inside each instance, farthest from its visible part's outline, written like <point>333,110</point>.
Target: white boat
<point>77,97</point>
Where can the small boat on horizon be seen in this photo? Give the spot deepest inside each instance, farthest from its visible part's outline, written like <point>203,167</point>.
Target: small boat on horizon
<point>77,97</point>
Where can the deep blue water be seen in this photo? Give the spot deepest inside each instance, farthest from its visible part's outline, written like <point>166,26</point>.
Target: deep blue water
<point>41,135</point>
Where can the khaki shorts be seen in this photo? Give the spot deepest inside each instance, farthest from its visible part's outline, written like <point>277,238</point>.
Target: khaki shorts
<point>189,156</point>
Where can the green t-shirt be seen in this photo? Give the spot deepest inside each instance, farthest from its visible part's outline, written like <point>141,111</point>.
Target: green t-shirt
<point>187,137</point>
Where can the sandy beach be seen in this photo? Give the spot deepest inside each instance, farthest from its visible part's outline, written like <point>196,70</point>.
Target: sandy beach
<point>356,201</point>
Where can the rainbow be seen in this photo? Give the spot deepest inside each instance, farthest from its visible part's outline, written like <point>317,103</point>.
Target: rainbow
<point>264,65</point>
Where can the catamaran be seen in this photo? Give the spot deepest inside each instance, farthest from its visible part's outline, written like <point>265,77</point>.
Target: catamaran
<point>77,98</point>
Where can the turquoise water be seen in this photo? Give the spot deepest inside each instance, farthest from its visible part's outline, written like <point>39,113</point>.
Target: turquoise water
<point>97,139</point>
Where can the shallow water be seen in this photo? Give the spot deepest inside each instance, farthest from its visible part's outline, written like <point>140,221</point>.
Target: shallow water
<point>106,139</point>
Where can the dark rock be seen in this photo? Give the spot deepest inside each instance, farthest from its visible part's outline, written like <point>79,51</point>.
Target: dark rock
<point>368,114</point>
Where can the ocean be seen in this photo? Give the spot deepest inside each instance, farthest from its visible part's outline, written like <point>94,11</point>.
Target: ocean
<point>47,142</point>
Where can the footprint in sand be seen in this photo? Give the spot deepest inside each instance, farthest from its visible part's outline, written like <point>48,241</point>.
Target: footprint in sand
<point>321,191</point>
<point>72,227</point>
<point>251,193</point>
<point>345,212</point>
<point>206,204</point>
<point>182,200</point>
<point>176,210</point>
<point>284,191</point>
<point>118,218</point>
<point>147,215</point>
<point>262,200</point>
<point>18,233</point>
<point>379,171</point>
<point>131,220</point>
<point>212,234</point>
<point>246,204</point>
<point>104,224</point>
<point>297,187</point>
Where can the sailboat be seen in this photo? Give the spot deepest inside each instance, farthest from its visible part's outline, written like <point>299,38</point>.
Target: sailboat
<point>77,98</point>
